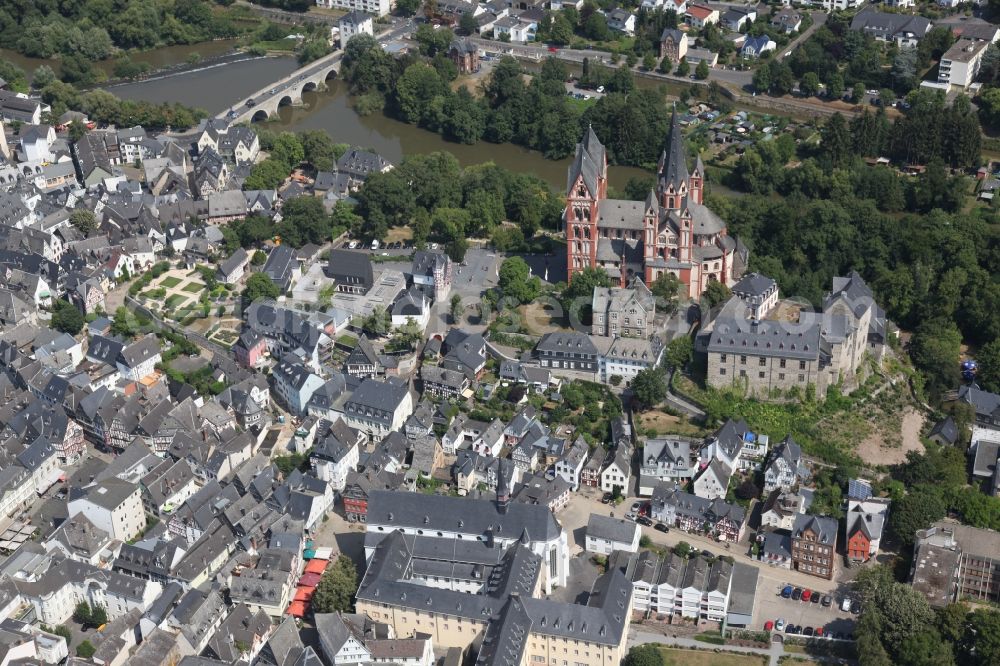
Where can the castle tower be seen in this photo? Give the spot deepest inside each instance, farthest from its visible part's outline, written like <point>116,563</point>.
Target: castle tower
<point>588,185</point>
<point>673,177</point>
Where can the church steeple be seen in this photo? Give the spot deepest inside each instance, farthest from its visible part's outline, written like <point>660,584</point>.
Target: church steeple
<point>673,163</point>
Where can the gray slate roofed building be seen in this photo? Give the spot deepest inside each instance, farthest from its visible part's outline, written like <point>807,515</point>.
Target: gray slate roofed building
<point>767,338</point>
<point>280,266</point>
<point>477,516</point>
<point>615,530</point>
<point>904,28</point>
<point>351,270</point>
<point>824,527</point>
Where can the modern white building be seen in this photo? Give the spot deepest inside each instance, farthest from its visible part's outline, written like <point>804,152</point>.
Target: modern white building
<point>113,505</point>
<point>374,7</point>
<point>960,64</point>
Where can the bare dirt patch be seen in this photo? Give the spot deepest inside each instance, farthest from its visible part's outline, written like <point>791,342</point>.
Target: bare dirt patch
<point>665,424</point>
<point>882,448</point>
<point>541,317</point>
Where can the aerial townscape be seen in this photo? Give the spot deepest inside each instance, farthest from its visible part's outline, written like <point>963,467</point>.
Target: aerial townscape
<point>535,333</point>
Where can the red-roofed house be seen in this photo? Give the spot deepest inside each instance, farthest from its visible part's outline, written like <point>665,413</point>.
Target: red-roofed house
<point>698,16</point>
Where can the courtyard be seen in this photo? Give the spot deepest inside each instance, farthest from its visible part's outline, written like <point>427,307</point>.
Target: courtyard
<point>184,296</point>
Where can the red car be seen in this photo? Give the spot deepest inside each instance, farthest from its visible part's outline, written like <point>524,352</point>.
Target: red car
<point>819,631</point>
<point>768,626</point>
<point>806,594</point>
<point>553,49</point>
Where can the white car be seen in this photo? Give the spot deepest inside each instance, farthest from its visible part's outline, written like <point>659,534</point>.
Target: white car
<point>845,605</point>
<point>780,624</point>
<point>352,245</point>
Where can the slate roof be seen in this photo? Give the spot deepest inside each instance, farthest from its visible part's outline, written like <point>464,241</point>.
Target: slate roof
<point>616,530</point>
<point>824,527</point>
<point>466,515</point>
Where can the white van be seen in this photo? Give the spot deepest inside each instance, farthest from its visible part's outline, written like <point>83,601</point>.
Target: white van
<point>374,243</point>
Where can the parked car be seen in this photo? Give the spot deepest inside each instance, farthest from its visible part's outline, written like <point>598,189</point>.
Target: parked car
<point>630,516</point>
<point>815,597</point>
<point>808,631</point>
<point>845,605</point>
<point>855,607</point>
<point>806,595</point>
<point>635,507</point>
<point>606,499</point>
<point>792,629</point>
<point>827,600</point>
<point>797,594</point>
<point>818,631</point>
<point>707,553</point>
<point>787,591</point>
<point>779,625</point>
<point>644,521</point>
<point>768,626</point>
<point>660,527</point>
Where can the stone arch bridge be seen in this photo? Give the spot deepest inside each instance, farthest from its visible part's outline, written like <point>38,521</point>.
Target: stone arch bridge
<point>288,91</point>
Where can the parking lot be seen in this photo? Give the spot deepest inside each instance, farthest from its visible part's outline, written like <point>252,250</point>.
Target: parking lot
<point>772,606</point>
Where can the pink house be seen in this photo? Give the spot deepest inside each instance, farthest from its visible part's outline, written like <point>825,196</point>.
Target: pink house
<point>249,349</point>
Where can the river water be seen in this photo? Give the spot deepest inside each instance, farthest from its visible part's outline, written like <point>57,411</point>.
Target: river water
<point>165,56</point>
<point>215,89</point>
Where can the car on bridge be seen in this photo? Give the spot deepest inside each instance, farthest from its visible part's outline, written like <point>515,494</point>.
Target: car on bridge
<point>251,103</point>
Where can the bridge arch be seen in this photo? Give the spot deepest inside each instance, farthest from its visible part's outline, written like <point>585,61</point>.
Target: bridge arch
<point>308,86</point>
<point>286,100</point>
<point>330,74</point>
<point>259,115</point>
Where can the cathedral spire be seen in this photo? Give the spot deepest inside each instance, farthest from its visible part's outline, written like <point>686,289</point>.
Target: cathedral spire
<point>673,164</point>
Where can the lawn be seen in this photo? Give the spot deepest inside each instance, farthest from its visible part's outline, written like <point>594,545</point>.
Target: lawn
<point>678,656</point>
<point>193,287</point>
<point>170,282</point>
<point>174,301</point>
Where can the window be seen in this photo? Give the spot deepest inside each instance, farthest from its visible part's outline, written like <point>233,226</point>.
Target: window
<point>781,376</point>
<point>760,374</point>
<point>722,358</point>
<point>781,363</point>
<point>743,360</point>
<point>802,365</point>
<point>762,361</point>
<point>722,371</point>
<point>802,378</point>
<point>743,373</point>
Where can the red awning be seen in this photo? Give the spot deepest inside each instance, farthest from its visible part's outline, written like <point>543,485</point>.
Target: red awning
<point>316,566</point>
<point>297,608</point>
<point>309,580</point>
<point>304,594</point>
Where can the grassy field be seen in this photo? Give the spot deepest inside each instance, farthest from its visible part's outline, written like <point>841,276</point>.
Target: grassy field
<point>680,657</point>
<point>193,287</point>
<point>174,301</point>
<point>170,281</point>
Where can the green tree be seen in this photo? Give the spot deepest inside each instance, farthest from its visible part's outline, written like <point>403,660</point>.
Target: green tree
<point>378,322</point>
<point>457,248</point>
<point>916,511</point>
<point>701,71</point>
<point>468,24</point>
<point>649,387</point>
<point>259,286</point>
<point>268,174</point>
<point>683,549</point>
<point>679,352</point>
<point>809,84</point>
<point>644,655</point>
<point>258,258</point>
<point>85,650</point>
<point>683,68</point>
<point>42,77</point>
<point>982,638</point>
<point>456,308</point>
<point>514,282</point>
<point>288,150</point>
<point>989,366</point>
<point>836,140</point>
<point>649,61</point>
<point>762,79</point>
<point>336,588</point>
<point>667,290</point>
<point>81,613</point>
<point>715,293</point>
<point>84,220</point>
<point>935,349</point>
<point>407,7</point>
<point>124,323</point>
<point>67,318</point>
<point>595,27</point>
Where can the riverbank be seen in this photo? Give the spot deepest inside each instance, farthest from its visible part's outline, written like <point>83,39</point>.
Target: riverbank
<point>184,68</point>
